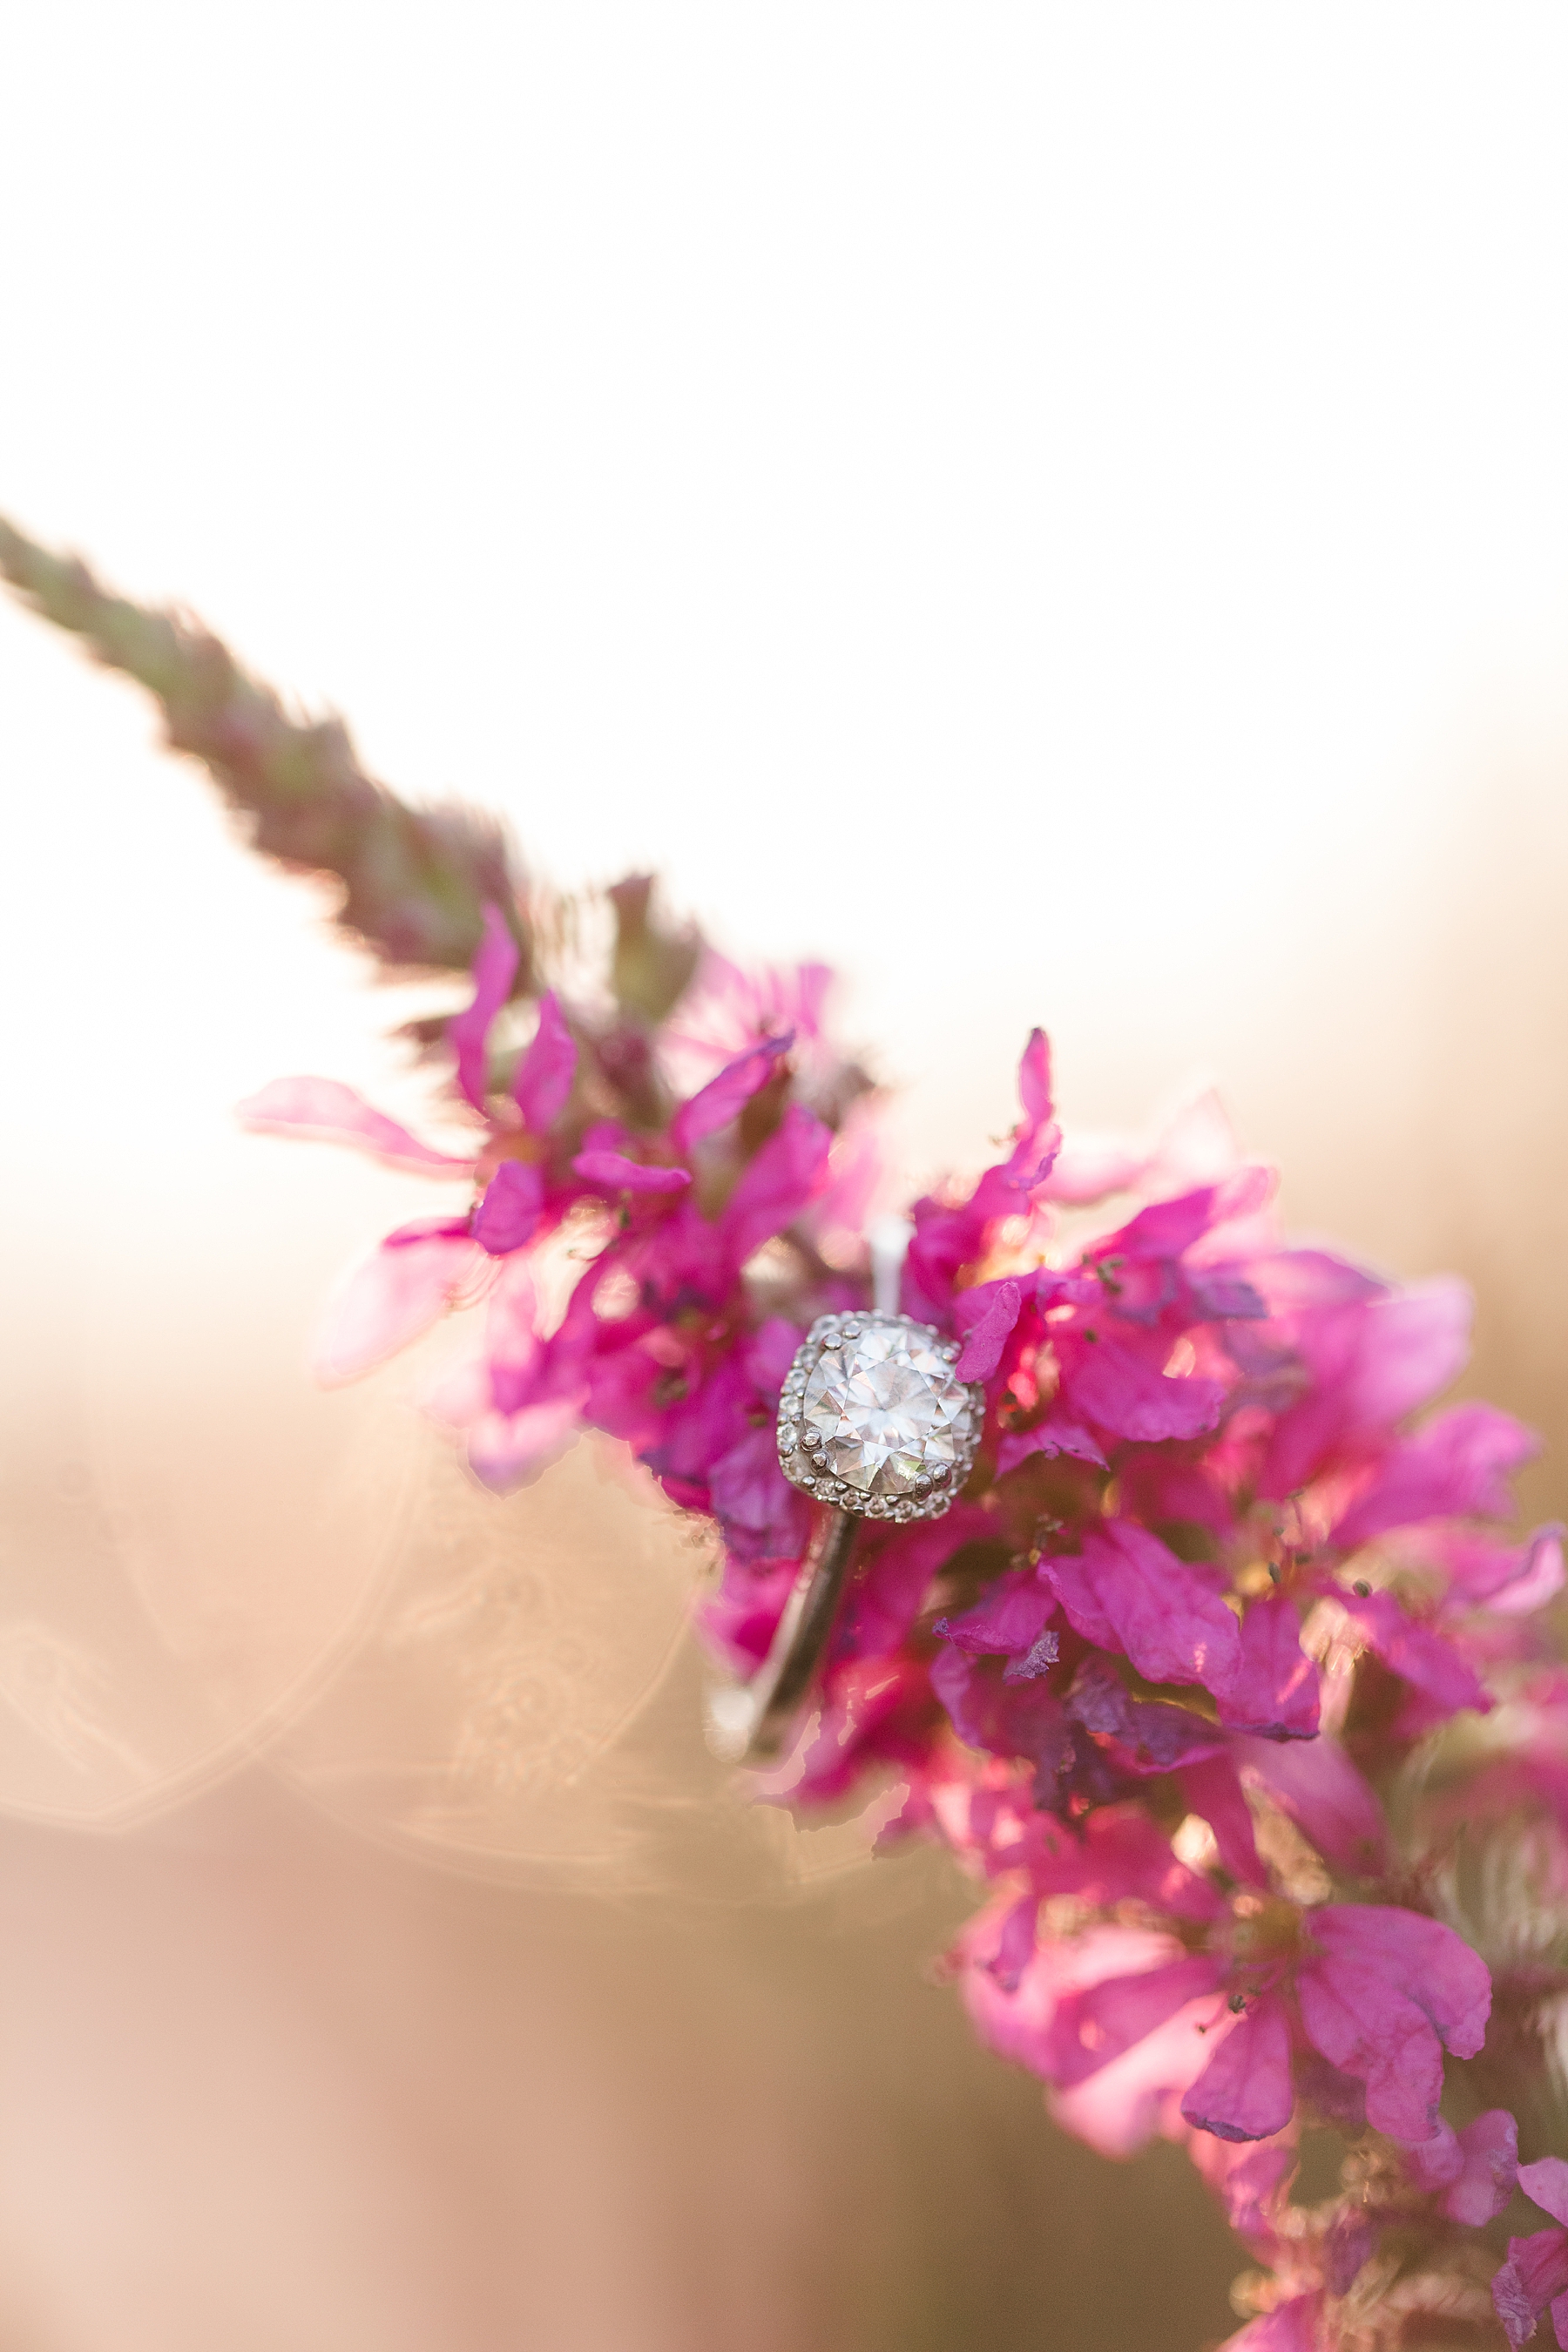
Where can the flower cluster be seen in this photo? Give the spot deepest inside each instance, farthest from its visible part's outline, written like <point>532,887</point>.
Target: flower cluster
<point>1223,1579</point>
<point>1222,1674</point>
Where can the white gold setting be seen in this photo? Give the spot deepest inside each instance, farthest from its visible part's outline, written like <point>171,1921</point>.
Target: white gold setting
<point>874,1420</point>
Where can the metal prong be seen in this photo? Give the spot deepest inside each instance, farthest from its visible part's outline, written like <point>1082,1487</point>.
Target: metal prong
<point>890,1238</point>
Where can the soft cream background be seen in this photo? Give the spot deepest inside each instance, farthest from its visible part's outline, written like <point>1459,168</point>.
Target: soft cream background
<point>1060,510</point>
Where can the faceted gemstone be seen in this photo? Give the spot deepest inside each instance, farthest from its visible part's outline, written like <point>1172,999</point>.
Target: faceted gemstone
<point>885,1411</point>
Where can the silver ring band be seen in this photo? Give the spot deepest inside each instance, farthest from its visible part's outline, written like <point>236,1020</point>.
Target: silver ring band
<point>778,1692</point>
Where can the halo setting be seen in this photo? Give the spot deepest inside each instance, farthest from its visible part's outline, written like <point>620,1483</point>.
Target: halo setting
<point>874,1420</point>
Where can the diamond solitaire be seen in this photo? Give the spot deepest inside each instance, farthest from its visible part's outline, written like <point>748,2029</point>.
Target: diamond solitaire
<point>874,1420</point>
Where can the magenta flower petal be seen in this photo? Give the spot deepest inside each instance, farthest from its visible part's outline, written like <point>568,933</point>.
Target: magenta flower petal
<point>1412,1345</point>
<point>1535,2275</point>
<point>1035,1078</point>
<point>1455,1468</point>
<point>1489,2170</point>
<point>1385,1991</point>
<point>1118,2107</point>
<point>1537,1575</point>
<point>1171,1227</point>
<point>1365,2027</point>
<point>1436,2163</point>
<point>1296,1280</point>
<point>771,1353</point>
<point>1220,1295</point>
<point>1546,2184</point>
<point>424,1229</point>
<point>323,1111</point>
<point>1323,1792</point>
<point>1277,1694</point>
<point>762,1514</point>
<point>995,1312</point>
<point>1120,1392</point>
<point>1010,1618</point>
<point>511,1209</point>
<point>389,1300</point>
<point>1092,2027</point>
<point>1244,2091</point>
<point>545,1072</point>
<point>1448,1980</point>
<point>1276,1691</point>
<point>893,1583</point>
<point>1120,1857</point>
<point>1417,1652</point>
<point>1373,1358</point>
<point>1020,1717</point>
<point>1293,2326</point>
<point>776,1183</point>
<point>724,1097</point>
<point>1145,1735</point>
<point>1212,1788</point>
<point>495,968</point>
<point>1513,1579</point>
<point>611,1172</point>
<point>1050,1437</point>
<point>741,1617</point>
<point>507,1449</point>
<point>1088,1168</point>
<point>1015,1942</point>
<point>1250,2179</point>
<point>1118,2110</point>
<point>1125,1591</point>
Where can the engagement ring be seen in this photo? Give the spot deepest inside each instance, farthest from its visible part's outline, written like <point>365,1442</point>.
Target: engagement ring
<point>875,1423</point>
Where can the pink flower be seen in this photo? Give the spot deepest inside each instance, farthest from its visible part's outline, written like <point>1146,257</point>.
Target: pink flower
<point>1209,1541</point>
<point>495,968</point>
<point>1275,1691</point>
<point>1380,1993</point>
<point>1224,1567</point>
<point>1456,1467</point>
<point>1127,1990</point>
<point>612,1172</point>
<point>996,1313</point>
<point>1476,2171</point>
<point>727,1009</point>
<point>725,1097</point>
<point>392,1297</point>
<point>1319,1788</point>
<point>1535,2275</point>
<point>949,1237</point>
<point>323,1111</point>
<point>776,1184</point>
<point>1125,1591</point>
<point>546,1070</point>
<point>509,1209</point>
<point>1123,1394</point>
<point>1294,2325</point>
<point>1374,1355</point>
<point>1375,1992</point>
<point>1245,2092</point>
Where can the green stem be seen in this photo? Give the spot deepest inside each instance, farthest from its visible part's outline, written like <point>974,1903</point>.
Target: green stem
<point>415,880</point>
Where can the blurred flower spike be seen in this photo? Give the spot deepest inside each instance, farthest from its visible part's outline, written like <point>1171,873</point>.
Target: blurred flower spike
<point>1226,1677</point>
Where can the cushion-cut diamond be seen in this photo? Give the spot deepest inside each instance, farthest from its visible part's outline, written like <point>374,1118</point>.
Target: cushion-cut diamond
<point>887,1411</point>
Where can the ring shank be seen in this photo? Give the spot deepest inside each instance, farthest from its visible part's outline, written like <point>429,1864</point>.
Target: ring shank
<point>780,1686</point>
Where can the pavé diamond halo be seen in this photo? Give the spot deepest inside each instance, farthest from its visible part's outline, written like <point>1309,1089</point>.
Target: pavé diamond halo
<point>874,1420</point>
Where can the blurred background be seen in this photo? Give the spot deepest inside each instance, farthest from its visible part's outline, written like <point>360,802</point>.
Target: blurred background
<point>1061,511</point>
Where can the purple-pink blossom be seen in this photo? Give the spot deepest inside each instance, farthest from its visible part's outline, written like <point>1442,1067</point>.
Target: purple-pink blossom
<point>1225,1560</point>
